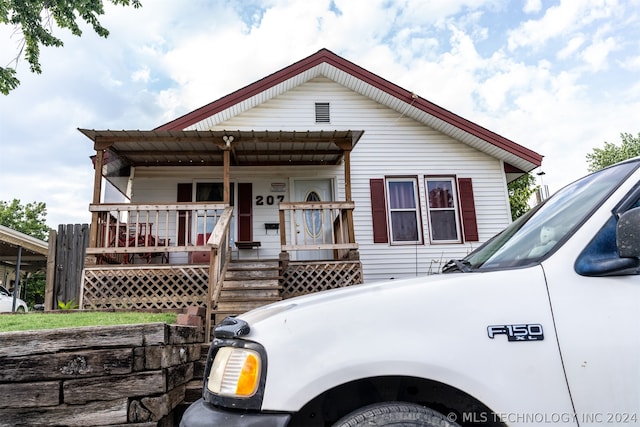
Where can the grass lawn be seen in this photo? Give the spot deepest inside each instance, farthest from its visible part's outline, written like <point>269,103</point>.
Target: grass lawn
<point>71,319</point>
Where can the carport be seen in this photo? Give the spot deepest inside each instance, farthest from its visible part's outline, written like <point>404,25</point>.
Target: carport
<point>21,253</point>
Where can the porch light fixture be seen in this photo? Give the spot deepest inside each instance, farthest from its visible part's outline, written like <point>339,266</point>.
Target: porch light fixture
<point>228,139</point>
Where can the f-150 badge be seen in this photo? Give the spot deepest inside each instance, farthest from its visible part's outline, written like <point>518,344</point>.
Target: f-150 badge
<point>523,332</point>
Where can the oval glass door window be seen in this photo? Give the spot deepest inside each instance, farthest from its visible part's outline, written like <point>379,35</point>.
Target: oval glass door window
<point>313,219</point>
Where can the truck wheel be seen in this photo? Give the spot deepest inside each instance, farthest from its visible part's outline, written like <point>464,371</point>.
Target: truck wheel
<point>395,413</point>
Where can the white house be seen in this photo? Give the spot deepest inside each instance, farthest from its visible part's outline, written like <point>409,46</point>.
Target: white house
<point>323,163</point>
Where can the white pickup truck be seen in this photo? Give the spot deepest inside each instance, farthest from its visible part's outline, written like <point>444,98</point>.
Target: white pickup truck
<point>540,325</point>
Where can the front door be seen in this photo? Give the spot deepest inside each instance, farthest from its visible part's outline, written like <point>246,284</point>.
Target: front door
<point>313,227</point>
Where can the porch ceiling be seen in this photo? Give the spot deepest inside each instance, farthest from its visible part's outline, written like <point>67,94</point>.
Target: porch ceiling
<point>204,148</point>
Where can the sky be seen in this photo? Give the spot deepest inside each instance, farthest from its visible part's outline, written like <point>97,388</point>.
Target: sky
<point>558,77</point>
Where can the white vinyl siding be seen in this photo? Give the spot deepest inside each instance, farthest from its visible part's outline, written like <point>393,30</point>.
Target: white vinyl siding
<point>392,145</point>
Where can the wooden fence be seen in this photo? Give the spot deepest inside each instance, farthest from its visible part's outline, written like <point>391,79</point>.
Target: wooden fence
<point>71,243</point>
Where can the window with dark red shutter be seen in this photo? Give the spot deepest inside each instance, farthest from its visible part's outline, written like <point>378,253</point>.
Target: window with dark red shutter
<point>468,209</point>
<point>378,211</point>
<point>245,212</point>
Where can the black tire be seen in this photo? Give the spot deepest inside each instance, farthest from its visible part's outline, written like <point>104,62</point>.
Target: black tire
<point>395,414</point>
<point>20,309</point>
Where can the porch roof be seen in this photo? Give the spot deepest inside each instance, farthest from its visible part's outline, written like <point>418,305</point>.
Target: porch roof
<point>206,147</point>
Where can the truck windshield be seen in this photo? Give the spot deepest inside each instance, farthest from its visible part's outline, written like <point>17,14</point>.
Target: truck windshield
<point>537,233</point>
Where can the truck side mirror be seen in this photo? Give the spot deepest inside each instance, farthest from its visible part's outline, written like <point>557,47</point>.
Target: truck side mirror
<point>628,234</point>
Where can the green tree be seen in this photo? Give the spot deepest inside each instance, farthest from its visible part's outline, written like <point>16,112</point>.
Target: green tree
<point>29,219</point>
<point>520,192</point>
<point>34,20</point>
<point>33,286</point>
<point>611,153</point>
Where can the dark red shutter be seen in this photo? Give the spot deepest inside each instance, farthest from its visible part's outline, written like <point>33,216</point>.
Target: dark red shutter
<point>378,211</point>
<point>468,209</point>
<point>185,192</point>
<point>245,212</point>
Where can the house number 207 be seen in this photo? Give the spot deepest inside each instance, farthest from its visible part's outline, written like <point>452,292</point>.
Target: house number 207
<point>269,200</point>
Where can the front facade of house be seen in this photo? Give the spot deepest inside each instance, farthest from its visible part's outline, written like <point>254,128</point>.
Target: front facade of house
<point>399,231</point>
<point>322,160</point>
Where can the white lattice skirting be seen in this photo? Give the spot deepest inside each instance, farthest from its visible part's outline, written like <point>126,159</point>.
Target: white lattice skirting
<point>136,287</point>
<point>307,277</point>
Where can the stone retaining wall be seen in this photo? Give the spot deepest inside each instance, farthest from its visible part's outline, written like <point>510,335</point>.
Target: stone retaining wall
<point>96,376</point>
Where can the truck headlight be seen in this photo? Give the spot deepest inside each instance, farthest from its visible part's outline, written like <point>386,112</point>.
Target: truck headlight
<point>235,372</point>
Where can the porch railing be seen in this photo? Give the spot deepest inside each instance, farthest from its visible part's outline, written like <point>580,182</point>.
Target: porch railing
<point>148,231</point>
<point>308,226</point>
<point>218,243</point>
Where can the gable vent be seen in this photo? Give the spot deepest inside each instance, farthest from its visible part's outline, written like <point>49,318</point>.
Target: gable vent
<point>322,112</point>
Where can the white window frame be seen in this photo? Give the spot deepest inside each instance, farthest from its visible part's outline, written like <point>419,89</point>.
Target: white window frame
<point>415,209</point>
<point>455,209</point>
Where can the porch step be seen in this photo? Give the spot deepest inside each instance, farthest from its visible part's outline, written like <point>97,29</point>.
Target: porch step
<point>241,294</point>
<point>252,275</point>
<point>253,265</point>
<point>254,271</point>
<point>254,283</point>
<point>239,306</point>
<point>233,289</point>
<point>248,285</point>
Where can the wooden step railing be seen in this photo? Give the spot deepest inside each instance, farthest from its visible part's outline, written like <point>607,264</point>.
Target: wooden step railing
<point>220,255</point>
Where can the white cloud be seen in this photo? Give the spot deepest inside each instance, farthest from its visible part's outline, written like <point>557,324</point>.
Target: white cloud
<point>532,6</point>
<point>142,75</point>
<point>571,47</point>
<point>561,20</point>
<point>631,63</point>
<point>537,82</point>
<point>597,54</point>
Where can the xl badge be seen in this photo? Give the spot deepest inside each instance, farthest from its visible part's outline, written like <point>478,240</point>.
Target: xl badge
<point>524,332</point>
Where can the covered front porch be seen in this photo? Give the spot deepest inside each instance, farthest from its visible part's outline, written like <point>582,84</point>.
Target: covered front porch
<point>150,252</point>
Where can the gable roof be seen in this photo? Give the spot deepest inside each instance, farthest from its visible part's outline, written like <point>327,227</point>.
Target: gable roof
<point>328,64</point>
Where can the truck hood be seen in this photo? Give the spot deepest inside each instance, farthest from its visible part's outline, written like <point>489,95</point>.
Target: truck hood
<point>421,327</point>
<point>331,299</point>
